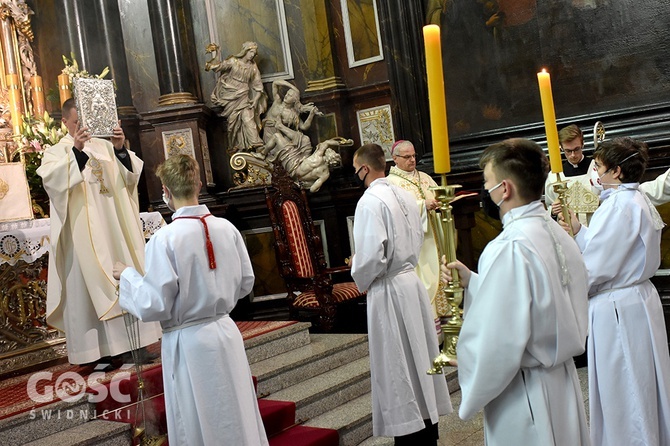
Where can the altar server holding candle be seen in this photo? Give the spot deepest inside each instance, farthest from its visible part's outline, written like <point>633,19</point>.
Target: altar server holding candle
<point>629,364</point>
<point>525,313</point>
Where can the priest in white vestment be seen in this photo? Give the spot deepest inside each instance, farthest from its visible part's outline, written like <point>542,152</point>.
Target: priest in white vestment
<point>658,189</point>
<point>405,175</point>
<point>197,268</point>
<point>406,401</point>
<point>525,313</point>
<point>629,364</point>
<point>95,220</point>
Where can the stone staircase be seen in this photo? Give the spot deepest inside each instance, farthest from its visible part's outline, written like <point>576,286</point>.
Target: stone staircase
<point>327,376</point>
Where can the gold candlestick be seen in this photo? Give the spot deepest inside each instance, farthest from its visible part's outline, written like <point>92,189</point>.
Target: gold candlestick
<point>453,291</point>
<point>561,189</point>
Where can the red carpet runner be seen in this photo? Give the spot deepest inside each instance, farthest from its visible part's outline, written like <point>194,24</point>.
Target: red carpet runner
<point>278,416</point>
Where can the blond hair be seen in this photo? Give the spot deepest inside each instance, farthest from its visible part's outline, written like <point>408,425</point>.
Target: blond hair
<point>181,175</point>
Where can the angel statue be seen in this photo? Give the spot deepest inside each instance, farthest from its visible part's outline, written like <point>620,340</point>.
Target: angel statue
<point>239,91</point>
<point>285,141</point>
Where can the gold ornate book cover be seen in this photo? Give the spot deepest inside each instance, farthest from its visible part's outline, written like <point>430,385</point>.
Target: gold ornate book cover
<point>96,105</point>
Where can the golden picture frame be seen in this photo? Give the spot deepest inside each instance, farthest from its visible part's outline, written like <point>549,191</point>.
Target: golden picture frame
<point>96,105</point>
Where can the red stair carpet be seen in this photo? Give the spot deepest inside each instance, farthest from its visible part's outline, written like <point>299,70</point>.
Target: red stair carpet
<point>278,416</point>
<point>14,398</point>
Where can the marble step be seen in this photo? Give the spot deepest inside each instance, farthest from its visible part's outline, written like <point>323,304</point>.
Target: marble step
<point>378,441</point>
<point>328,390</point>
<point>277,342</point>
<point>46,420</point>
<point>325,352</point>
<point>96,432</point>
<point>352,420</point>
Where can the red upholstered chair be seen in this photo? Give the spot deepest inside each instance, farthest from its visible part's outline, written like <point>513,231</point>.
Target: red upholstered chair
<point>300,256</point>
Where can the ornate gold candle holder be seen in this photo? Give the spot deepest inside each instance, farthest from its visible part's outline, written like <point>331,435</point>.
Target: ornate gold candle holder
<point>561,189</point>
<point>453,291</point>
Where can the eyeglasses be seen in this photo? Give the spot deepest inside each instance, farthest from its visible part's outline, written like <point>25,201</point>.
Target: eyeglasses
<point>570,152</point>
<point>406,157</point>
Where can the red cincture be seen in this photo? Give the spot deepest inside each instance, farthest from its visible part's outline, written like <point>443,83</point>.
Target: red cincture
<point>208,241</point>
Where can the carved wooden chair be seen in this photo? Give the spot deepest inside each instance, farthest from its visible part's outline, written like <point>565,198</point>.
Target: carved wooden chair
<point>300,256</point>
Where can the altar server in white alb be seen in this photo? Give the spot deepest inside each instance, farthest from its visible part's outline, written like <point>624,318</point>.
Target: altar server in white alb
<point>197,268</point>
<point>406,176</point>
<point>92,187</point>
<point>629,366</point>
<point>525,313</point>
<point>406,401</point>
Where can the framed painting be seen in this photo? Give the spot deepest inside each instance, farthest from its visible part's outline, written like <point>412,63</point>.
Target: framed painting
<point>603,56</point>
<point>361,32</point>
<point>375,125</point>
<point>261,21</point>
<point>178,142</point>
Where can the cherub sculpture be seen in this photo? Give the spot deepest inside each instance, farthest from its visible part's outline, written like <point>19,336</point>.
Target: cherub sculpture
<point>285,141</point>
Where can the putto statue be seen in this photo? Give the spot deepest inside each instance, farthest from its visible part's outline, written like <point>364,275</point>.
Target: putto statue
<point>285,141</point>
<point>239,91</point>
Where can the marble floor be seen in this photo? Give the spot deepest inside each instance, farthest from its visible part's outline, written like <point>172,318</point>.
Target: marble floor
<point>456,432</point>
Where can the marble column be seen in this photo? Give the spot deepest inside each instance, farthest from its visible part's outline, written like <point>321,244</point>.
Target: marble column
<point>317,37</point>
<point>173,46</point>
<point>93,31</point>
<point>401,23</point>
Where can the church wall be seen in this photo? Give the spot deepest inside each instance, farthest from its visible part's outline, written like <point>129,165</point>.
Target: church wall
<point>608,62</point>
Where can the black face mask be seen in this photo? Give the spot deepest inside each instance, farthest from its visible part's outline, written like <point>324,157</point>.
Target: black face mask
<point>488,206</point>
<point>360,183</point>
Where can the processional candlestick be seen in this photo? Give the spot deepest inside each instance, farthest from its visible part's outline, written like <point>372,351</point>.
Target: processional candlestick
<point>444,223</point>
<point>553,146</point>
<point>452,291</point>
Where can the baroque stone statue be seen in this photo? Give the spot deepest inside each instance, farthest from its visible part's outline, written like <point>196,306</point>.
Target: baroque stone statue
<point>285,141</point>
<point>239,91</point>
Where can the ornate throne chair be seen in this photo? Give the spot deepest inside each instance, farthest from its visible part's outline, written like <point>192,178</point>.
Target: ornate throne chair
<point>300,256</point>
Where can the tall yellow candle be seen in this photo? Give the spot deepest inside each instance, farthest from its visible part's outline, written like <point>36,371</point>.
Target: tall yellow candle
<point>15,109</point>
<point>550,128</point>
<point>64,87</point>
<point>437,99</point>
<point>38,95</point>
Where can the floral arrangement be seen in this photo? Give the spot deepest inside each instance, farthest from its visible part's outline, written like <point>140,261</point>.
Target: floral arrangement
<point>72,69</point>
<point>37,134</point>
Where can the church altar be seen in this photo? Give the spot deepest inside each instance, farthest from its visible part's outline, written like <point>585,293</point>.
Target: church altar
<point>25,337</point>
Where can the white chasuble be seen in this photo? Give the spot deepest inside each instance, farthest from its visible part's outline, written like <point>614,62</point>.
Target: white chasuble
<point>428,265</point>
<point>94,223</point>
